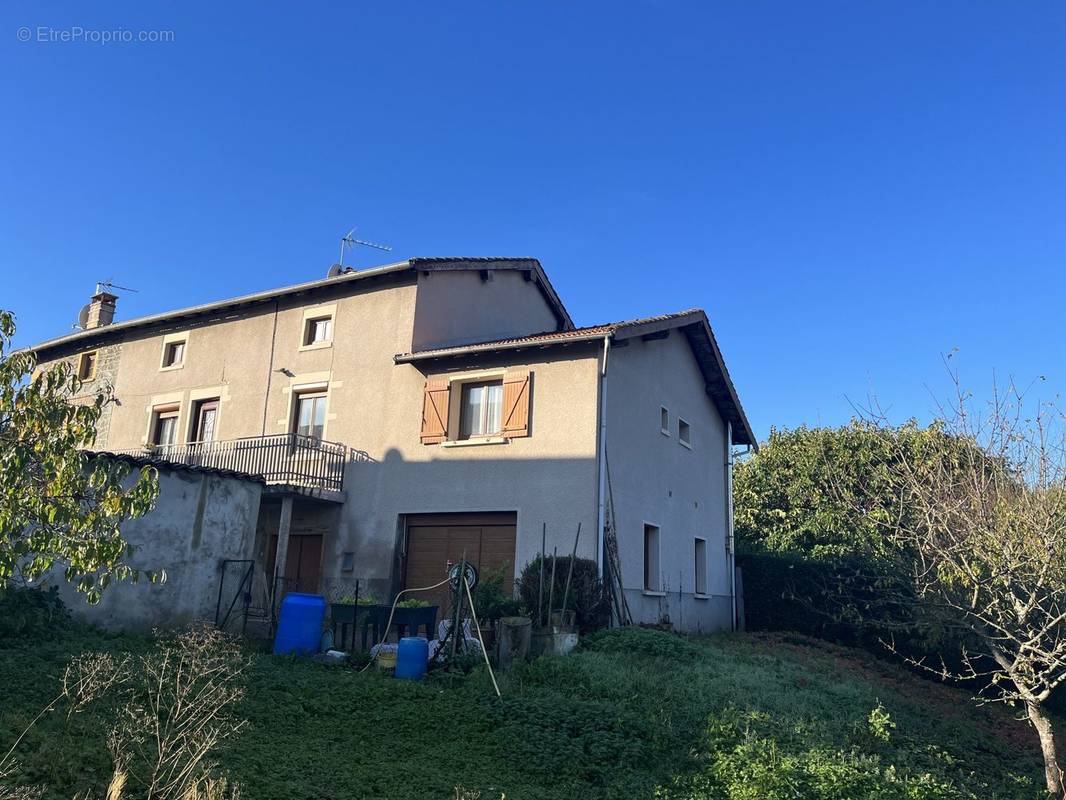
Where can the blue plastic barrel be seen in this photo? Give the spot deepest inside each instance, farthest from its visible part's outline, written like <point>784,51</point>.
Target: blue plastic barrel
<point>300,625</point>
<point>411,658</point>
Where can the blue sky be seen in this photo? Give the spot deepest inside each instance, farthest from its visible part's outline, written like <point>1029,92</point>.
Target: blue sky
<point>849,189</point>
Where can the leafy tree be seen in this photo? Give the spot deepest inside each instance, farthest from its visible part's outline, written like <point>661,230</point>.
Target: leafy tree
<point>60,505</point>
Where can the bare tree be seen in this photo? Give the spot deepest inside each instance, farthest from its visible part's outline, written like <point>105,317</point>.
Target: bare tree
<point>986,528</point>
<point>178,712</point>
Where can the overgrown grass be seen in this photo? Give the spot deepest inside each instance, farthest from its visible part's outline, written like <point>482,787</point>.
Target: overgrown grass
<point>633,714</point>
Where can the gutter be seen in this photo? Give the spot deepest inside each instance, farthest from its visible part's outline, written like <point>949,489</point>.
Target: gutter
<point>729,524</point>
<point>601,463</point>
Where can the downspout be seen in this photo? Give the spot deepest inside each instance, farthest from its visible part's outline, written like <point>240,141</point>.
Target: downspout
<point>729,523</point>
<point>601,500</point>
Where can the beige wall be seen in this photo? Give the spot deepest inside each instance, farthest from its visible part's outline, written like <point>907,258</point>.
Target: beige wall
<point>458,307</point>
<point>658,481</point>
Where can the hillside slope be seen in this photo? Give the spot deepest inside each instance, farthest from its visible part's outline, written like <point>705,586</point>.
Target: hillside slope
<point>633,714</point>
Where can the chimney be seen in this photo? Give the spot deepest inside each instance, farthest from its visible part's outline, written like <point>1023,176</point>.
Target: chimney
<point>101,310</point>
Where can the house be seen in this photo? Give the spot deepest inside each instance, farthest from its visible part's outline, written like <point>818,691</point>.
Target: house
<point>406,416</point>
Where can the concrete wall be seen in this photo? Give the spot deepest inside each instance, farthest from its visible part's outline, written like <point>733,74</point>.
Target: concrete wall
<point>199,519</point>
<point>547,478</point>
<point>459,307</point>
<point>656,480</point>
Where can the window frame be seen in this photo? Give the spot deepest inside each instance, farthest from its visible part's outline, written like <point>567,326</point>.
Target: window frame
<point>310,328</point>
<point>462,434</point>
<point>170,347</point>
<point>197,420</point>
<point>92,358</point>
<point>684,433</point>
<point>699,575</point>
<point>652,561</point>
<point>159,415</point>
<point>310,395</point>
<point>664,420</point>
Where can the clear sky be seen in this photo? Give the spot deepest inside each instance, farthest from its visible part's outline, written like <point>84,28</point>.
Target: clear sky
<point>849,189</point>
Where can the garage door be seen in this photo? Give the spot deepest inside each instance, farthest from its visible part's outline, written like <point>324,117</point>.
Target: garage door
<point>436,541</point>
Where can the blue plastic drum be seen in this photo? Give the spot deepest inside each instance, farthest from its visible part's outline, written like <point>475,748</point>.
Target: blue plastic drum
<point>411,658</point>
<point>300,625</point>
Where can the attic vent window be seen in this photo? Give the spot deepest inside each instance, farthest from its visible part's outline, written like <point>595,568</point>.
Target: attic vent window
<point>173,354</point>
<point>684,433</point>
<point>319,330</point>
<point>87,366</point>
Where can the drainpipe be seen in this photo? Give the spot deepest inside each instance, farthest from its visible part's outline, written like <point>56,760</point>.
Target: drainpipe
<point>601,500</point>
<point>729,522</point>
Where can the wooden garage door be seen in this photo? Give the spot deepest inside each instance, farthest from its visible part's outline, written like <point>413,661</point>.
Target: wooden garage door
<point>436,541</point>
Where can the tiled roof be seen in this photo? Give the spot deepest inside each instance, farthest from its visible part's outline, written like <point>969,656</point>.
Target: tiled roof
<point>692,321</point>
<point>548,337</point>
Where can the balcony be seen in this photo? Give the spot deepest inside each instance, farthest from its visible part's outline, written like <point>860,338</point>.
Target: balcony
<point>287,459</point>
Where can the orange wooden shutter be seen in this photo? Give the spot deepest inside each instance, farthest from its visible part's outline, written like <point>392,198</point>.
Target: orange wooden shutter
<point>435,412</point>
<point>516,404</point>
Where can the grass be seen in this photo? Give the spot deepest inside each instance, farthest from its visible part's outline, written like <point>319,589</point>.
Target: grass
<point>633,714</point>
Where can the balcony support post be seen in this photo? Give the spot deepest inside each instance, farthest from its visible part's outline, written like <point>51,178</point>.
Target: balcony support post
<point>284,526</point>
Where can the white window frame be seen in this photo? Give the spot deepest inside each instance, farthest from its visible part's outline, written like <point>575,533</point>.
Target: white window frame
<point>698,573</point>
<point>310,394</point>
<point>684,433</point>
<point>310,317</point>
<point>170,341</point>
<point>652,579</point>
<point>464,390</point>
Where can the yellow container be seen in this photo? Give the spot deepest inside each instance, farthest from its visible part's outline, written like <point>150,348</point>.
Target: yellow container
<point>387,659</point>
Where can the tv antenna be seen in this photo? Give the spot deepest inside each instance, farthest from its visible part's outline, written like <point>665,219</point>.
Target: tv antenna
<point>107,285</point>
<point>349,242</point>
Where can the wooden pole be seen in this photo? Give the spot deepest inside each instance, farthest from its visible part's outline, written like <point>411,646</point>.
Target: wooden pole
<point>570,572</point>
<point>456,617</point>
<point>551,587</point>
<point>540,593</point>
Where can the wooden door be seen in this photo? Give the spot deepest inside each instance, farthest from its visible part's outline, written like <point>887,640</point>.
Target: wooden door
<point>434,542</point>
<point>303,563</point>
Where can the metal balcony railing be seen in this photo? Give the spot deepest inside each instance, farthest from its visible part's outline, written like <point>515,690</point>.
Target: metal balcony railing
<point>286,458</point>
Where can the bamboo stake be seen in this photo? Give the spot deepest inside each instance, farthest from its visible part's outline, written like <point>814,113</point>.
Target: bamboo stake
<point>540,594</point>
<point>551,587</point>
<point>570,573</point>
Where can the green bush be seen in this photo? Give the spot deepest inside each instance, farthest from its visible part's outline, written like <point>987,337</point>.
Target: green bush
<point>587,598</point>
<point>644,642</point>
<point>25,612</point>
<point>494,595</point>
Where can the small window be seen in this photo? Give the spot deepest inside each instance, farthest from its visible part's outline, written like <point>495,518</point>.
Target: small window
<point>205,421</point>
<point>165,427</point>
<point>173,354</point>
<point>318,329</point>
<point>652,579</point>
<point>701,566</point>
<point>347,561</point>
<point>684,434</point>
<point>87,366</point>
<point>664,421</point>
<point>310,418</point>
<point>481,410</point>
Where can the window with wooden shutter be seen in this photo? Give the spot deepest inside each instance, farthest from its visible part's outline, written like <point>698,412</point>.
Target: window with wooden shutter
<point>435,412</point>
<point>516,397</point>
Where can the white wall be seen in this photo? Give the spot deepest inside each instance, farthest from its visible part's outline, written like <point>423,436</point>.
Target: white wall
<point>657,480</point>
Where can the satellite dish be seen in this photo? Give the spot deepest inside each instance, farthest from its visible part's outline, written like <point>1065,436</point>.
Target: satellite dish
<point>83,317</point>
<point>334,271</point>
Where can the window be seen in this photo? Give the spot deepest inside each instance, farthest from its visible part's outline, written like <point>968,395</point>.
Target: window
<point>173,354</point>
<point>701,566</point>
<point>205,421</point>
<point>165,426</point>
<point>652,581</point>
<point>481,409</point>
<point>318,329</point>
<point>684,434</point>
<point>311,414</point>
<point>664,421</point>
<point>87,366</point>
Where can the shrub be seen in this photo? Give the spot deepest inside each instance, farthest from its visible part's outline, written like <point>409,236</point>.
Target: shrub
<point>491,599</point>
<point>25,612</point>
<point>587,598</point>
<point>644,642</point>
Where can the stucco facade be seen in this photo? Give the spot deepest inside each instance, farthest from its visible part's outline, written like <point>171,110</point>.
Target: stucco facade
<point>395,332</point>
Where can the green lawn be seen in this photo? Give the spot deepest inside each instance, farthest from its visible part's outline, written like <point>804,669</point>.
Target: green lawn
<point>634,714</point>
